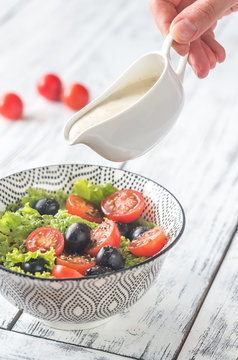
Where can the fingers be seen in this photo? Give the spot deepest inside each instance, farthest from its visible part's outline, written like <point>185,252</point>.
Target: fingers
<point>212,60</point>
<point>196,18</point>
<point>205,53</point>
<point>231,10</point>
<point>198,59</point>
<point>164,12</point>
<point>215,47</point>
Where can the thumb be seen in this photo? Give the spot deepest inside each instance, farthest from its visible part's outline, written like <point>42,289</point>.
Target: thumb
<point>195,19</point>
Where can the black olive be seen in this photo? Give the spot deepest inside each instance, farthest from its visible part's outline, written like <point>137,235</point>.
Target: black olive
<point>138,231</point>
<point>97,270</point>
<point>47,206</point>
<point>77,238</point>
<point>34,265</point>
<point>123,228</point>
<point>110,256</point>
<point>19,208</point>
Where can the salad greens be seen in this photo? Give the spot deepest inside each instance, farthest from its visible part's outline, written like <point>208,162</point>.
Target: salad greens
<point>91,192</point>
<point>130,259</point>
<point>33,195</point>
<point>16,225</point>
<point>15,257</point>
<point>15,228</point>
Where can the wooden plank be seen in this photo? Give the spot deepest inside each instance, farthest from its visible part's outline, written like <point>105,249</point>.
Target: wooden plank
<point>8,313</point>
<point>86,35</point>
<point>80,31</point>
<point>191,165</point>
<point>215,332</point>
<point>10,9</point>
<point>197,162</point>
<point>41,141</point>
<point>16,346</point>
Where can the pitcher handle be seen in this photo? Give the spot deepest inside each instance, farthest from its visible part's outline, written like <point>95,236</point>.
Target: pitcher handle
<point>182,62</point>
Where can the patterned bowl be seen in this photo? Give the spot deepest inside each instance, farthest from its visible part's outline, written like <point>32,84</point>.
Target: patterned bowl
<point>87,302</point>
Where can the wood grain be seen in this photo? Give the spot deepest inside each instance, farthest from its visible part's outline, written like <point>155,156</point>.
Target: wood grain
<point>16,346</point>
<point>8,313</point>
<point>49,37</point>
<point>197,161</point>
<point>215,332</point>
<point>72,41</point>
<point>203,174</point>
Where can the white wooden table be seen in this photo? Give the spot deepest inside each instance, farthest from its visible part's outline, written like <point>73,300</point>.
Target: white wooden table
<point>192,310</point>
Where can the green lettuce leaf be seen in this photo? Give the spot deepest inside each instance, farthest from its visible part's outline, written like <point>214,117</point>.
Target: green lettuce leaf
<point>14,228</point>
<point>33,195</point>
<point>141,222</point>
<point>45,274</point>
<point>62,220</point>
<point>130,259</point>
<point>16,257</point>
<point>91,192</point>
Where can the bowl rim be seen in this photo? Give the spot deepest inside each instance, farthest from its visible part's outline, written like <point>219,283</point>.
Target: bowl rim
<point>160,253</point>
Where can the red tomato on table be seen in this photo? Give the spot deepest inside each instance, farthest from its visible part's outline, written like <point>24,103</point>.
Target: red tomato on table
<point>75,96</point>
<point>149,243</point>
<point>104,234</point>
<point>80,263</point>
<point>50,87</point>
<point>87,210</point>
<point>44,238</point>
<point>11,106</point>
<point>60,271</point>
<point>123,205</point>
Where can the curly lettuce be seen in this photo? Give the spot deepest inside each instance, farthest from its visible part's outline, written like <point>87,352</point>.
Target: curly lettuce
<point>91,192</point>
<point>15,228</point>
<point>130,259</point>
<point>16,257</point>
<point>33,195</point>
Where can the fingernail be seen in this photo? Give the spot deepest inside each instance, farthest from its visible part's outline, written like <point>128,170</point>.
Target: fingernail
<point>183,30</point>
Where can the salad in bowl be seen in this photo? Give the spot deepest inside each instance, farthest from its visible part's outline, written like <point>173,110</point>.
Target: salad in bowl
<point>81,243</point>
<point>95,229</point>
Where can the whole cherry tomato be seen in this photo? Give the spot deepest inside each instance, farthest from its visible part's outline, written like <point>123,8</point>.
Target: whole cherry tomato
<point>75,96</point>
<point>50,87</point>
<point>11,106</point>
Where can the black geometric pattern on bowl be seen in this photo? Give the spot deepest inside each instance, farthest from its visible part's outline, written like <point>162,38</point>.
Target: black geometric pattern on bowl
<point>92,298</point>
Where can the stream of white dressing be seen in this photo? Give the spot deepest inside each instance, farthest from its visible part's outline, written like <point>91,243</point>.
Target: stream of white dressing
<point>113,105</point>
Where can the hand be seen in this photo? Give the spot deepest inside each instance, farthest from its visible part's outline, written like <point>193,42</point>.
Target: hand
<point>191,24</point>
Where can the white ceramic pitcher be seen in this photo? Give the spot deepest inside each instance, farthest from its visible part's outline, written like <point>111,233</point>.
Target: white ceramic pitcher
<point>134,131</point>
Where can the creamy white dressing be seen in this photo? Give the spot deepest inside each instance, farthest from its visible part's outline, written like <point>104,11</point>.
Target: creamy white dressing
<point>113,105</point>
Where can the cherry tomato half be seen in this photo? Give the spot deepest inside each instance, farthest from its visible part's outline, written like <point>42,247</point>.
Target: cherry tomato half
<point>104,234</point>
<point>50,87</point>
<point>79,263</point>
<point>60,271</point>
<point>11,106</point>
<point>75,96</point>
<point>149,243</point>
<point>44,238</point>
<point>87,210</point>
<point>123,205</point>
